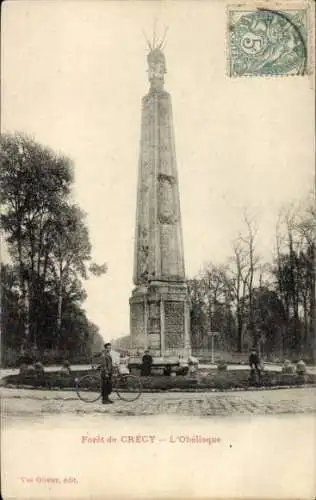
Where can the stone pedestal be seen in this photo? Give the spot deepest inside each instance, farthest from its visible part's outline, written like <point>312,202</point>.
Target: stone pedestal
<point>160,319</point>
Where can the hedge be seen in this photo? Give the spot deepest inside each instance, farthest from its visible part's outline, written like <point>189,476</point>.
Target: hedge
<point>212,380</point>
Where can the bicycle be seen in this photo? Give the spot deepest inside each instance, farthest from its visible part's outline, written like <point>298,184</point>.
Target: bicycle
<point>127,387</point>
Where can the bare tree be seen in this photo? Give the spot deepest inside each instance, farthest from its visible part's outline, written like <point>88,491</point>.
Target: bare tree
<point>216,291</point>
<point>244,266</point>
<point>295,275</point>
<point>306,227</point>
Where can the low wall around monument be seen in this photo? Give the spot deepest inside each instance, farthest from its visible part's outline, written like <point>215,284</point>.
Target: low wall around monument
<point>228,357</point>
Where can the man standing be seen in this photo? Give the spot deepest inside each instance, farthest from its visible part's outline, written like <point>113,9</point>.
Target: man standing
<point>254,363</point>
<point>106,374</point>
<point>147,363</point>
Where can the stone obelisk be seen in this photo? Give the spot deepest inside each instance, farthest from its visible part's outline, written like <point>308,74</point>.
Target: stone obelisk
<point>159,305</point>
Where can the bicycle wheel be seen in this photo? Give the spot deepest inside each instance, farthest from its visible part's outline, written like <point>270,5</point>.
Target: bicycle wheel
<point>127,387</point>
<point>88,388</point>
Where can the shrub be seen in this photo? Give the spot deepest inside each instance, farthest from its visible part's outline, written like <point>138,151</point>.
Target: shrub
<point>23,369</point>
<point>39,368</point>
<point>183,370</point>
<point>301,368</point>
<point>222,365</point>
<point>25,359</point>
<point>288,367</point>
<point>167,371</point>
<point>65,370</point>
<point>214,380</point>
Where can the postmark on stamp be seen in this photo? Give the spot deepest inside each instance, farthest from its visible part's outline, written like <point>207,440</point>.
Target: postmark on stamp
<point>264,42</point>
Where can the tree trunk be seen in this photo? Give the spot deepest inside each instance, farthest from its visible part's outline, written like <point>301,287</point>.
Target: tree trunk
<point>59,310</point>
<point>312,333</point>
<point>25,345</point>
<point>25,305</point>
<point>239,331</point>
<point>306,325</point>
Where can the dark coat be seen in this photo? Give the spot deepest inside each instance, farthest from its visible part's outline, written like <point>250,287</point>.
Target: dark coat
<point>147,360</point>
<point>146,365</point>
<point>106,365</point>
<point>254,360</point>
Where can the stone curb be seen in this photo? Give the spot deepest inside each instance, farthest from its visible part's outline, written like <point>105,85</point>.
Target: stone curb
<point>176,390</point>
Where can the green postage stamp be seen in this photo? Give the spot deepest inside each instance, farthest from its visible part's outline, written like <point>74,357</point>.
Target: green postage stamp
<point>267,41</point>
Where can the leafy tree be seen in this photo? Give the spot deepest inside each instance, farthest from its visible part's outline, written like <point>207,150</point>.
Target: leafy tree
<point>11,318</point>
<point>98,269</point>
<point>49,246</point>
<point>33,182</point>
<point>69,250</point>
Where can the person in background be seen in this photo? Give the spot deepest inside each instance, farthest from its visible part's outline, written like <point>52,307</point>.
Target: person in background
<point>106,374</point>
<point>147,364</point>
<point>254,362</point>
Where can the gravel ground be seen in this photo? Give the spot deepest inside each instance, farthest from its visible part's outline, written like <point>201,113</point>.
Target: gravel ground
<point>19,402</point>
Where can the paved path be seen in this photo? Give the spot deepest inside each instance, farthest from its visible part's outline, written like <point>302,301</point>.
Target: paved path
<point>25,402</point>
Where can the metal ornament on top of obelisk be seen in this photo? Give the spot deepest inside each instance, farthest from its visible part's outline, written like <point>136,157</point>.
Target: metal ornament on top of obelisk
<point>159,305</point>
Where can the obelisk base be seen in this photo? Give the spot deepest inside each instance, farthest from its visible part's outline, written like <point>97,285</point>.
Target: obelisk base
<point>160,318</point>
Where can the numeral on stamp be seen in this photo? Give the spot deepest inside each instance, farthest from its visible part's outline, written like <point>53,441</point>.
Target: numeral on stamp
<point>264,42</point>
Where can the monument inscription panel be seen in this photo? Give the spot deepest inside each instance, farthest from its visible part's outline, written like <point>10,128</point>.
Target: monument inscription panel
<point>174,324</point>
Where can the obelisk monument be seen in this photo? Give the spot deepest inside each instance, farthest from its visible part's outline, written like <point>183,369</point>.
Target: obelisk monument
<point>159,305</point>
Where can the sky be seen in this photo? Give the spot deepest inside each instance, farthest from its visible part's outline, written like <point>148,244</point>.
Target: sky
<point>73,75</point>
